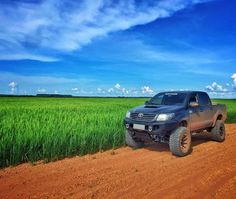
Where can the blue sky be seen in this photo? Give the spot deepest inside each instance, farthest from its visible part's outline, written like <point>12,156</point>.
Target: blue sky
<point>117,48</point>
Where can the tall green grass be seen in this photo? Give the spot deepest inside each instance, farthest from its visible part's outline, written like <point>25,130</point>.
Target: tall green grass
<point>52,128</point>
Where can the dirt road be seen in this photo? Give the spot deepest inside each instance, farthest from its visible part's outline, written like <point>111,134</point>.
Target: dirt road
<point>152,172</point>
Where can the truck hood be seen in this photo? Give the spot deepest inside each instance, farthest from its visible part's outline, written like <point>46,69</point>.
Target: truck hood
<point>157,109</point>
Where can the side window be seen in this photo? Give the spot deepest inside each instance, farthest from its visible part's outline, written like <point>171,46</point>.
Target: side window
<point>203,99</point>
<point>193,98</point>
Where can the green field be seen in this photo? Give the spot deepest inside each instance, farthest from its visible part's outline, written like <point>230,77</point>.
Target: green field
<point>52,128</point>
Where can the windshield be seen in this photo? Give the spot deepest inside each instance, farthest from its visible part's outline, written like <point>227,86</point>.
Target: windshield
<point>168,99</point>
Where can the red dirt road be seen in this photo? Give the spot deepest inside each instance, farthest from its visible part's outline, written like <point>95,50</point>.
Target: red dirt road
<point>152,172</point>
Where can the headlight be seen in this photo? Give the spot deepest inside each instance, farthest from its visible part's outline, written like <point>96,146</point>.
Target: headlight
<point>164,116</point>
<point>127,115</point>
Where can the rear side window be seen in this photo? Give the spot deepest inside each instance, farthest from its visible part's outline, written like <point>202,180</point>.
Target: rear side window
<point>193,98</point>
<point>203,99</point>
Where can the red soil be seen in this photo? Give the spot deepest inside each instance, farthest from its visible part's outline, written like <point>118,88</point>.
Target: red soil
<point>152,172</point>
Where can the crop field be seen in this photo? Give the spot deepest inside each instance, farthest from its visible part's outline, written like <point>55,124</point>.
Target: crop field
<point>49,129</point>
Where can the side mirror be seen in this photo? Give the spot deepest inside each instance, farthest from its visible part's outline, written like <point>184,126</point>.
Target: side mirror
<point>146,103</point>
<point>193,104</point>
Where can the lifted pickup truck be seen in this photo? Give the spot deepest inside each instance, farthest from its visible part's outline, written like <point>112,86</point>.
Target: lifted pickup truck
<point>172,117</point>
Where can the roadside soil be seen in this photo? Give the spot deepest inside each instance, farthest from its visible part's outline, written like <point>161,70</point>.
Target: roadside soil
<point>152,172</point>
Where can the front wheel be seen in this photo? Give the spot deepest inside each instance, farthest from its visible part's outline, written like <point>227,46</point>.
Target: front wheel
<point>180,142</point>
<point>130,141</point>
<point>218,131</point>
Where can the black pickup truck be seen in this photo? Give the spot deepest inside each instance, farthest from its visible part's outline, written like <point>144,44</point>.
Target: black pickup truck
<point>172,117</point>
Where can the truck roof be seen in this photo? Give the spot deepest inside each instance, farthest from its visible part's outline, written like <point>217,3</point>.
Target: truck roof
<point>188,92</point>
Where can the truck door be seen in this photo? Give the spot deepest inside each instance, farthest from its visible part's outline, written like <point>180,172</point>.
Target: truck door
<point>206,109</point>
<point>196,120</point>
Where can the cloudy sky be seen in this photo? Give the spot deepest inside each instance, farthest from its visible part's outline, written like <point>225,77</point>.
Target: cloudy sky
<point>117,48</point>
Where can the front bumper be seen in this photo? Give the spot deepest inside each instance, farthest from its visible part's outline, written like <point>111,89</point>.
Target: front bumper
<point>160,129</point>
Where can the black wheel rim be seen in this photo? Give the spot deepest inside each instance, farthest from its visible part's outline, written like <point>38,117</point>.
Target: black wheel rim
<point>184,143</point>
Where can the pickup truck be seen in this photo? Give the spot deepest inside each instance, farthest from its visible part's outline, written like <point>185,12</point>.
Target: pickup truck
<point>172,117</point>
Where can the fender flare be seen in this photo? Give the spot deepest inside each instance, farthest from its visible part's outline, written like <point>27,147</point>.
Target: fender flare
<point>218,113</point>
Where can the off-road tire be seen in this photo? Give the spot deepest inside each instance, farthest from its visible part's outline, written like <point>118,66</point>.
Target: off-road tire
<point>130,141</point>
<point>180,141</point>
<point>218,131</point>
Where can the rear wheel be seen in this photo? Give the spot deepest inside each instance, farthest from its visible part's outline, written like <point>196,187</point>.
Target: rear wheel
<point>130,141</point>
<point>180,142</point>
<point>218,131</point>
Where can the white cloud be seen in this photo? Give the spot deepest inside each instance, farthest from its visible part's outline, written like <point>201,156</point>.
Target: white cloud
<point>217,90</point>
<point>117,86</point>
<point>159,54</point>
<point>147,90</point>
<point>69,25</point>
<point>25,56</point>
<point>234,78</point>
<point>13,87</point>
<point>41,90</point>
<point>120,89</point>
<point>75,89</point>
<point>12,84</point>
<point>116,91</point>
<point>101,91</point>
<point>124,91</point>
<point>214,87</point>
<point>42,80</point>
<point>110,90</point>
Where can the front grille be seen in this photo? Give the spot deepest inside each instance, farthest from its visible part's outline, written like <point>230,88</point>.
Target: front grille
<point>145,116</point>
